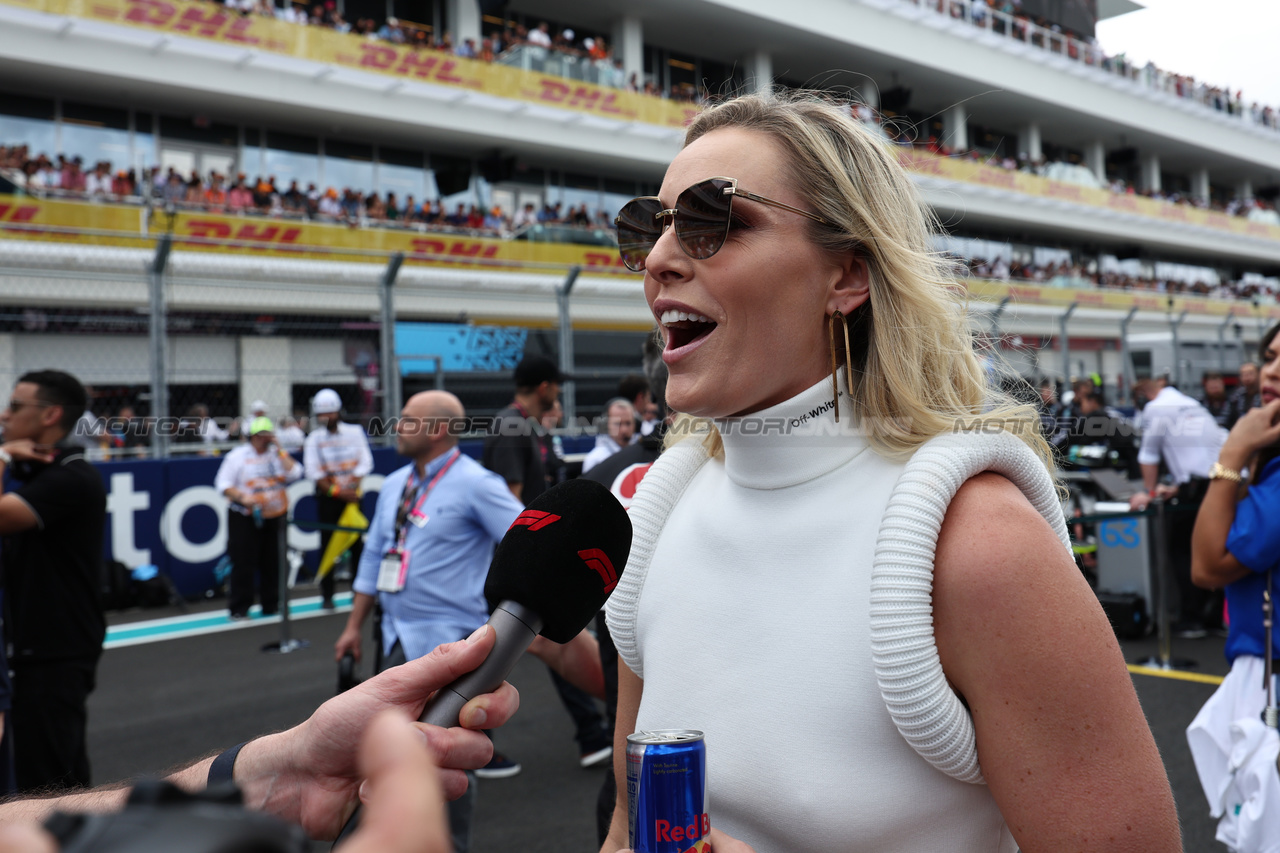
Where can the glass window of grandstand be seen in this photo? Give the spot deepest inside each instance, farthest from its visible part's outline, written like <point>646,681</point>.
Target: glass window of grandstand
<point>517,185</point>
<point>690,78</point>
<point>1123,165</point>
<point>450,181</point>
<point>1173,183</point>
<point>578,198</point>
<point>145,154</point>
<point>29,121</point>
<point>682,77</point>
<point>420,21</point>
<point>993,145</point>
<point>402,174</point>
<point>347,166</point>
<point>198,146</point>
<point>616,194</point>
<point>1065,164</point>
<point>97,135</point>
<point>290,158</point>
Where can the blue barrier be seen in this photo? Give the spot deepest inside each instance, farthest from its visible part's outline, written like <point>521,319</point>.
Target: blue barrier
<point>166,512</point>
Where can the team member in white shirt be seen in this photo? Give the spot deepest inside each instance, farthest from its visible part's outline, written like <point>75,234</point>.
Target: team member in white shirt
<point>253,478</point>
<point>1180,431</point>
<point>335,457</point>
<point>1177,429</point>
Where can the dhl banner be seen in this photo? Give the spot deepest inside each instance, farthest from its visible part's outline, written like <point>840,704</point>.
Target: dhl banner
<point>23,217</point>
<point>217,23</point>
<point>213,232</point>
<point>1026,293</point>
<point>975,172</point>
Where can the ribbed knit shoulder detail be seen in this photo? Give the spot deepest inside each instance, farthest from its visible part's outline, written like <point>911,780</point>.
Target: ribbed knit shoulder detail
<point>655,497</point>
<point>923,706</point>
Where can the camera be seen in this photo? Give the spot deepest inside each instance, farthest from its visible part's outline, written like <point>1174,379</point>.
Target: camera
<point>162,818</point>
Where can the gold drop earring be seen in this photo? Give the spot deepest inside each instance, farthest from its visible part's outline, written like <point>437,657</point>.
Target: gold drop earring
<point>848,358</point>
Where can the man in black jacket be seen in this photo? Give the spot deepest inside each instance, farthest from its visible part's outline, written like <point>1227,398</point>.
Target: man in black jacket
<point>52,528</point>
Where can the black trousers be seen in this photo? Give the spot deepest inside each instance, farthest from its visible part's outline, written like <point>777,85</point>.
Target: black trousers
<point>50,717</point>
<point>1195,605</point>
<point>328,511</point>
<point>255,553</point>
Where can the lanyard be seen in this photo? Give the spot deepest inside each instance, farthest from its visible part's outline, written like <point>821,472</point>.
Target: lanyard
<point>409,495</point>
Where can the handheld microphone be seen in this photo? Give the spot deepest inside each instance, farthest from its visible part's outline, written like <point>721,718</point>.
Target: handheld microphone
<point>551,574</point>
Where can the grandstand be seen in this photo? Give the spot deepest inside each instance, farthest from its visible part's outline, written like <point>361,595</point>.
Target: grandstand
<point>276,175</point>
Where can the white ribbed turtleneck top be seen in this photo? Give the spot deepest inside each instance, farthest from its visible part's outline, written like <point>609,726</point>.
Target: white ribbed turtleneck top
<point>746,608</point>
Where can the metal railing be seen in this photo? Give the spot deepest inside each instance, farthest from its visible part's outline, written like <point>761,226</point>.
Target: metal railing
<point>1051,42</point>
<point>530,57</point>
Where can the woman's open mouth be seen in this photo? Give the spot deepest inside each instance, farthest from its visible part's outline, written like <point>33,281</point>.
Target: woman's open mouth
<point>683,328</point>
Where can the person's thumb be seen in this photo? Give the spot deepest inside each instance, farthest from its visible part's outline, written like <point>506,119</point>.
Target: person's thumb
<point>404,803</point>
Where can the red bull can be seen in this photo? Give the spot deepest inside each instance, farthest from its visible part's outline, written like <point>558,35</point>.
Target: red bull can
<point>667,792</point>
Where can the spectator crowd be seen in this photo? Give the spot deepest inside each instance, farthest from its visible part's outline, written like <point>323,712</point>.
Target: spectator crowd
<point>266,197</point>
<point>546,44</point>
<point>906,134</point>
<point>1008,18</point>
<point>1074,274</point>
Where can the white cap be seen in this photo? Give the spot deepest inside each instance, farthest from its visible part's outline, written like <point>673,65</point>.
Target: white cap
<point>258,406</point>
<point>588,43</point>
<point>326,400</point>
<point>568,34</point>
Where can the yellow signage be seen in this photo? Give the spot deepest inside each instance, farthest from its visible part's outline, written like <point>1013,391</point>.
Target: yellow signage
<point>1029,293</point>
<point>28,218</point>
<point>977,172</point>
<point>215,22</point>
<point>22,217</point>
<point>25,218</point>
<point>221,233</point>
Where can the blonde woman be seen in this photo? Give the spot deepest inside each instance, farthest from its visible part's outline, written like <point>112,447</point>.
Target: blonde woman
<point>850,570</point>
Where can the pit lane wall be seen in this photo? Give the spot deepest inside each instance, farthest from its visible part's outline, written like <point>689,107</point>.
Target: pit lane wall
<point>166,512</point>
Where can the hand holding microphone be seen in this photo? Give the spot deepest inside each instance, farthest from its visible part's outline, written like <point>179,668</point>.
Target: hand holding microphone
<point>551,574</point>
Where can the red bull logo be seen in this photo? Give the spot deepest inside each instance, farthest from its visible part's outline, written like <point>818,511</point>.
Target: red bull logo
<point>696,831</point>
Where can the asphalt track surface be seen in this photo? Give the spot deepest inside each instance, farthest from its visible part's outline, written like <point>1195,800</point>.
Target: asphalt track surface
<point>160,704</point>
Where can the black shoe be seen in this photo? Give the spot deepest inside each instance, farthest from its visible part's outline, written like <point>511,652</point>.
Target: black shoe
<point>499,767</point>
<point>266,612</point>
<point>327,604</point>
<point>235,616</point>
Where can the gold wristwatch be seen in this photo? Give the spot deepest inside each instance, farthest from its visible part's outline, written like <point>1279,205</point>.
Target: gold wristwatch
<point>1222,472</point>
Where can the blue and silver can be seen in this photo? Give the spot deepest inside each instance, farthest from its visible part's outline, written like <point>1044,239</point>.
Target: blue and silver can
<point>667,792</point>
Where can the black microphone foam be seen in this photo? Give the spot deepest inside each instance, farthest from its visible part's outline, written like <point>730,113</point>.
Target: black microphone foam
<point>563,556</point>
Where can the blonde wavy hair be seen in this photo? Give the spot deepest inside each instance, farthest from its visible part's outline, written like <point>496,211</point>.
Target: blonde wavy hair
<point>915,370</point>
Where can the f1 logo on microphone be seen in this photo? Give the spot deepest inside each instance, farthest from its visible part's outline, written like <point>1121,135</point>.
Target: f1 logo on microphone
<point>535,519</point>
<point>598,561</point>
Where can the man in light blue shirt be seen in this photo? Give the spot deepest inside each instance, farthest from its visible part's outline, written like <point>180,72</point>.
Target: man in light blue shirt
<point>428,548</point>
